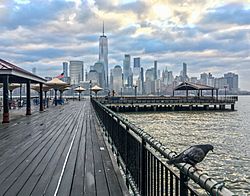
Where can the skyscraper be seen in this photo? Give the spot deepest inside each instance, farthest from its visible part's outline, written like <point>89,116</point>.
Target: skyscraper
<point>76,69</point>
<point>155,70</point>
<point>184,72</point>
<point>232,82</point>
<point>117,78</point>
<point>142,81</point>
<point>127,73</point>
<point>34,70</point>
<point>65,69</point>
<point>136,70</point>
<point>204,78</point>
<point>103,54</point>
<point>137,62</point>
<point>99,67</point>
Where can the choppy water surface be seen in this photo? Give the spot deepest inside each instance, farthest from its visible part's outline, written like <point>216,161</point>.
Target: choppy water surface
<point>228,132</point>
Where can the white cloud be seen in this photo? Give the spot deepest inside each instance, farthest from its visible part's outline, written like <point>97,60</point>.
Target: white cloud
<point>170,31</point>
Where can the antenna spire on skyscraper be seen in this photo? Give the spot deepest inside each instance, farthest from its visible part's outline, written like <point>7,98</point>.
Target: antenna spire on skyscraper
<point>103,28</point>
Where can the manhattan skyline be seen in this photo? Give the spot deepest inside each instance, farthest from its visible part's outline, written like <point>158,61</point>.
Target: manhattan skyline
<point>211,36</point>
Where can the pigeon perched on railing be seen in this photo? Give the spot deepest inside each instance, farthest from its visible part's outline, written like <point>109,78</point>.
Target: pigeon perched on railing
<point>193,155</point>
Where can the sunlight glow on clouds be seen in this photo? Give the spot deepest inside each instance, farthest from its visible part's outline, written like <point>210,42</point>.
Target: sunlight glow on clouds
<point>209,35</point>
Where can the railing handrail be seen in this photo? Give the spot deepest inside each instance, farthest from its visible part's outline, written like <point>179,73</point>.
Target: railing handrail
<point>199,178</point>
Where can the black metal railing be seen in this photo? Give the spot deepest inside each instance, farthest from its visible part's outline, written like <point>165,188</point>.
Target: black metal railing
<point>143,160</point>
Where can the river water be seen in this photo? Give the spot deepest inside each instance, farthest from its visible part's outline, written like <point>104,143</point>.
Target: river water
<point>227,131</point>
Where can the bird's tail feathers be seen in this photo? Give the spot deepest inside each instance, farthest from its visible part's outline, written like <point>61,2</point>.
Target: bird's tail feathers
<point>174,161</point>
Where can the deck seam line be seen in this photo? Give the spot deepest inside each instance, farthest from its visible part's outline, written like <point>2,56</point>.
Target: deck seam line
<point>65,162</point>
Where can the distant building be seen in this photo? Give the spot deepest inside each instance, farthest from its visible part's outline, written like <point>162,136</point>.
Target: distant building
<point>76,69</point>
<point>66,77</point>
<point>142,81</point>
<point>210,80</point>
<point>34,70</point>
<point>93,76</point>
<point>204,78</point>
<point>103,55</point>
<point>157,85</point>
<point>66,69</point>
<point>100,69</point>
<point>149,81</point>
<point>232,81</point>
<point>127,72</point>
<point>184,72</point>
<point>194,80</point>
<point>117,79</point>
<point>155,70</point>
<point>137,62</point>
<point>167,77</point>
<point>220,83</point>
<point>137,74</point>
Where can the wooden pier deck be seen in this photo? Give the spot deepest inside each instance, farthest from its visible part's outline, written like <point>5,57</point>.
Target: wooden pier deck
<point>57,152</point>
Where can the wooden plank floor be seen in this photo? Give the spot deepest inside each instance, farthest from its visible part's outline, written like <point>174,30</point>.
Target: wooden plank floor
<point>58,152</point>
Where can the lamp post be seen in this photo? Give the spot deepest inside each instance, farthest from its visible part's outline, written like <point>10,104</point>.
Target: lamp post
<point>135,90</point>
<point>225,91</point>
<point>90,86</point>
<point>158,92</point>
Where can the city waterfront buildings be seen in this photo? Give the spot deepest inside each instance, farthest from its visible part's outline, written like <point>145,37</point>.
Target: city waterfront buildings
<point>117,79</point>
<point>232,82</point>
<point>76,69</point>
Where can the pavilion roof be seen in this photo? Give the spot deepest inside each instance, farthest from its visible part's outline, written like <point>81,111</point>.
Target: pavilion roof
<point>17,74</point>
<point>193,86</point>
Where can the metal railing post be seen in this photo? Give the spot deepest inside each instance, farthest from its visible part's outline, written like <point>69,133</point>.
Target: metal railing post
<point>143,167</point>
<point>126,156</point>
<point>183,184</point>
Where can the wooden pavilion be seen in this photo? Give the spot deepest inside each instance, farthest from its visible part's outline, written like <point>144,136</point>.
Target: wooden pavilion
<point>189,86</point>
<point>10,73</point>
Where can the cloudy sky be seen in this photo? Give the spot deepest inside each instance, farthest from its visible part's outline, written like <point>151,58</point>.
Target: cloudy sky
<point>209,35</point>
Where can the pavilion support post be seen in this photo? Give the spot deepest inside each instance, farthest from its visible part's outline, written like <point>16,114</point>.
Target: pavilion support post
<point>201,93</point>
<point>5,99</point>
<point>186,93</point>
<point>28,104</point>
<point>61,92</point>
<point>173,93</point>
<point>212,93</point>
<point>10,103</point>
<point>11,94</point>
<point>41,96</point>
<point>217,93</point>
<point>20,101</point>
<point>46,103</point>
<point>55,97</point>
<point>79,96</point>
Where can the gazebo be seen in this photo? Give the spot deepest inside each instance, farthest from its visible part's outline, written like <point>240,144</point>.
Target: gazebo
<point>11,73</point>
<point>187,86</point>
<point>79,89</point>
<point>96,89</point>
